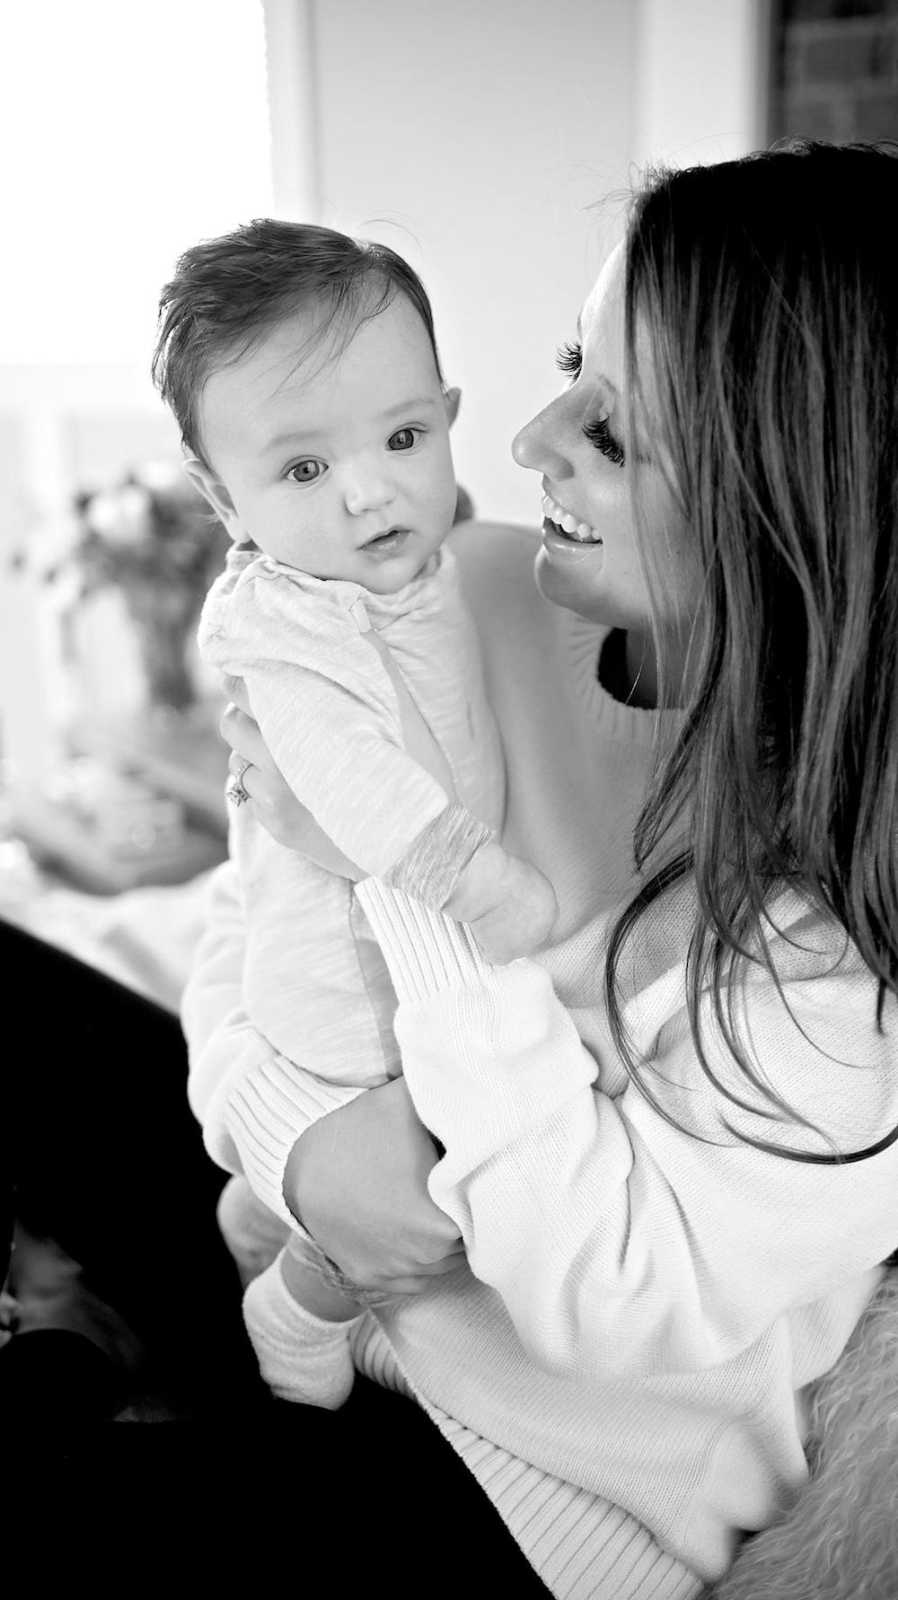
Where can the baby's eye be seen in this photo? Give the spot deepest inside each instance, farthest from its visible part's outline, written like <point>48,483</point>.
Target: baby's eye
<point>307,471</point>
<point>403,439</point>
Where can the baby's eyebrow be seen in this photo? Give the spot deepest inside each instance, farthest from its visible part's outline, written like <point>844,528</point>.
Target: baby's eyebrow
<point>303,435</point>
<point>415,404</point>
<point>291,437</point>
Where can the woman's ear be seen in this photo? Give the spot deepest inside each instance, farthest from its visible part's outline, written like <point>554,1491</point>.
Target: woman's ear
<point>452,401</point>
<point>214,491</point>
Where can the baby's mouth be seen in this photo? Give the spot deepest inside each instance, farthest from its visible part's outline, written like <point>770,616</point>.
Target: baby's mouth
<point>390,540</point>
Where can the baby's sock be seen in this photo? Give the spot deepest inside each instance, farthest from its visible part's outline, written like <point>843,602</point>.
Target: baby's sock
<point>301,1357</point>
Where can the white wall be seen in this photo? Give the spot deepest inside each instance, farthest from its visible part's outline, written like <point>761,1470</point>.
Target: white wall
<point>700,89</point>
<point>475,137</point>
<point>492,143</point>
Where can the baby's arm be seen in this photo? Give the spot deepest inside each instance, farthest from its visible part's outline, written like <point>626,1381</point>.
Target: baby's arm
<point>353,747</point>
<point>510,906</point>
<point>384,808</point>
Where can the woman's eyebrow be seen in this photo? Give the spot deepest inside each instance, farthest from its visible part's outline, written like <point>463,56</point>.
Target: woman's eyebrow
<point>603,376</point>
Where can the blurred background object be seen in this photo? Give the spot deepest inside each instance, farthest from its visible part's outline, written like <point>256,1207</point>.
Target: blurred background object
<point>151,541</point>
<point>834,70</point>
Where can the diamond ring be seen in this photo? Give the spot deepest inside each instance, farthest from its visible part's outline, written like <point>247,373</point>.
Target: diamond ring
<point>235,790</point>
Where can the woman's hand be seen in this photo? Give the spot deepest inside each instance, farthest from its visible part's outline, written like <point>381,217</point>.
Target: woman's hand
<point>357,1180</point>
<point>277,807</point>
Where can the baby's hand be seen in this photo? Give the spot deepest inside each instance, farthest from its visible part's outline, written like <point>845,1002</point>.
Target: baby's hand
<point>509,905</point>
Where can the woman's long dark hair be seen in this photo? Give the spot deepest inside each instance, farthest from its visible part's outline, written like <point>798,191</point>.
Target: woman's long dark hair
<point>769,291</point>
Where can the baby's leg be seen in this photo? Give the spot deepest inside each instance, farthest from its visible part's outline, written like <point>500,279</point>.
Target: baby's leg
<point>307,1276</point>
<point>509,905</point>
<point>299,1325</point>
<point>252,1233</point>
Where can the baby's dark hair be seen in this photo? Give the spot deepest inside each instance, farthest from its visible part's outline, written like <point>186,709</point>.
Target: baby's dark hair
<point>227,292</point>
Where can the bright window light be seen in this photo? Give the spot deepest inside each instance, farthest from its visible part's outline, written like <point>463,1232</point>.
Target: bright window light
<point>131,129</point>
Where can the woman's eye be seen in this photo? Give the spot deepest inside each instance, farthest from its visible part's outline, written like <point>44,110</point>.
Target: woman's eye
<point>569,359</point>
<point>402,439</point>
<point>306,471</point>
<point>599,434</point>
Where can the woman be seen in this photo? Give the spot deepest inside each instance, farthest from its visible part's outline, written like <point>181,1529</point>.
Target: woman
<point>686,1221</point>
<point>689,1218</point>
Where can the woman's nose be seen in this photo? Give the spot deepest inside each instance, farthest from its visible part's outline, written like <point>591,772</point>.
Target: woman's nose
<point>540,444</point>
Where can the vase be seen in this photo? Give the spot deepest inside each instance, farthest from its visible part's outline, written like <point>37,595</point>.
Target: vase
<point>169,681</point>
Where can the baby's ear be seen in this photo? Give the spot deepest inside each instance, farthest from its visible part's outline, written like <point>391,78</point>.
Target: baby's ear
<point>452,401</point>
<point>214,491</point>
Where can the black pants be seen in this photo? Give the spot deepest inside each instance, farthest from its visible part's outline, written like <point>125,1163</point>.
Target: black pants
<point>101,1153</point>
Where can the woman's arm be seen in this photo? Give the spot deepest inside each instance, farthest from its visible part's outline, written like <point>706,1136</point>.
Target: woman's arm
<point>616,1241</point>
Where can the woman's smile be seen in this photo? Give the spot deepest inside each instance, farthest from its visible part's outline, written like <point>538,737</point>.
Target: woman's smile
<point>565,522</point>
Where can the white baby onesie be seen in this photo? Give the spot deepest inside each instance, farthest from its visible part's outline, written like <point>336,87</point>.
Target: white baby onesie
<point>314,978</point>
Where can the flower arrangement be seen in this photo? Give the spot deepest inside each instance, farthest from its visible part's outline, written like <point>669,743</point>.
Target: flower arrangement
<point>152,537</point>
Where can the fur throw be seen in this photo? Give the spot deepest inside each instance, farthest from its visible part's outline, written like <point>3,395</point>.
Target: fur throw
<point>839,1541</point>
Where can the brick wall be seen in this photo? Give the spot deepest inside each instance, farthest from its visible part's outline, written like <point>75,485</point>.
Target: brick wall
<point>835,70</point>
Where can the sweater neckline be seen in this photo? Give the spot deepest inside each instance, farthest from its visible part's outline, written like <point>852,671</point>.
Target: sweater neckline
<point>635,725</point>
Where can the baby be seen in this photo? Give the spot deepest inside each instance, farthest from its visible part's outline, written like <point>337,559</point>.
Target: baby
<point>303,370</point>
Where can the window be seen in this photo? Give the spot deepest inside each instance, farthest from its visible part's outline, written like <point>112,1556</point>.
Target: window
<point>131,130</point>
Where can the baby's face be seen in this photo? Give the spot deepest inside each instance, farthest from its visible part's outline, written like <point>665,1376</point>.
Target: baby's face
<point>338,464</point>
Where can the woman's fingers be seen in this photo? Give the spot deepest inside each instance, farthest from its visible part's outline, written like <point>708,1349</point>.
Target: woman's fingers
<point>255,776</point>
<point>415,1281</point>
<point>235,689</point>
<point>241,732</point>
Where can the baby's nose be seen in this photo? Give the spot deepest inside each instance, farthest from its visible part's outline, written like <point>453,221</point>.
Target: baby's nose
<point>366,489</point>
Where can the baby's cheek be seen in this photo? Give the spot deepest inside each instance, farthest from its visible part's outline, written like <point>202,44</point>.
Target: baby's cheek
<point>444,501</point>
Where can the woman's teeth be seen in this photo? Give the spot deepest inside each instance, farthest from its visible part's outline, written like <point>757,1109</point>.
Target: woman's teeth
<point>581,531</point>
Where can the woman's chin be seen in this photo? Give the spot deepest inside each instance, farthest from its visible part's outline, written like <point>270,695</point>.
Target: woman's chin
<point>573,580</point>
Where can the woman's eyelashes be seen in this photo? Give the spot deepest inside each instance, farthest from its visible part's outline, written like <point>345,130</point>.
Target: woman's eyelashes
<point>569,360</point>
<point>599,434</point>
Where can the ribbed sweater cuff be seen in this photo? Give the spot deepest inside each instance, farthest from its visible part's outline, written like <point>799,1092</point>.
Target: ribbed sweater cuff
<point>425,951</point>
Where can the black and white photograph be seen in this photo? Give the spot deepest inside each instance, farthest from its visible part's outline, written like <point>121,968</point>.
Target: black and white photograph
<point>449,798</point>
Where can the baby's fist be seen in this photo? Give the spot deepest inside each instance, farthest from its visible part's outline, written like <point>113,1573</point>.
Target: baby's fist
<point>508,904</point>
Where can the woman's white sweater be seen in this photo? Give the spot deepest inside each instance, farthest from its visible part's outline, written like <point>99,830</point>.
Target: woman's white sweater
<point>642,1305</point>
